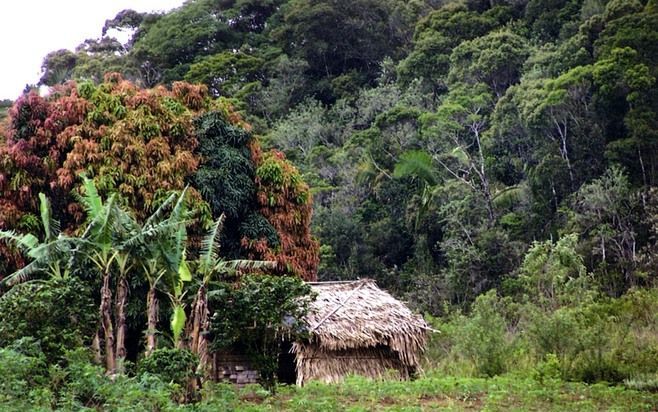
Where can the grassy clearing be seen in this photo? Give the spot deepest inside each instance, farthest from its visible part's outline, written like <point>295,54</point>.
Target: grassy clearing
<point>505,393</point>
<point>430,393</point>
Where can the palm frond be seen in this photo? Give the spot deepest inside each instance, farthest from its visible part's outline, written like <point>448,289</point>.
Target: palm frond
<point>233,266</point>
<point>184,273</point>
<point>178,239</point>
<point>177,322</point>
<point>159,214</point>
<point>178,247</point>
<point>101,227</point>
<point>508,196</point>
<point>147,234</point>
<point>125,223</point>
<point>79,246</point>
<point>210,246</point>
<point>460,155</point>
<point>24,274</point>
<point>179,210</point>
<point>51,251</point>
<point>416,163</point>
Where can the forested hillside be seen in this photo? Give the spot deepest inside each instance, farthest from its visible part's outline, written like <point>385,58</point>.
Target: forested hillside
<point>440,138</point>
<point>492,162</point>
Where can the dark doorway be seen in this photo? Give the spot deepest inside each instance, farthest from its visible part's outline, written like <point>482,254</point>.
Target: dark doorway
<point>286,372</point>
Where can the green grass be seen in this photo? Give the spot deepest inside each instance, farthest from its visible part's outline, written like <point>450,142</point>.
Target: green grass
<point>430,393</point>
<point>505,393</point>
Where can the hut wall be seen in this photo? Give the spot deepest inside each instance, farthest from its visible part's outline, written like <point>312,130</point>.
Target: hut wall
<point>315,363</point>
<point>234,368</point>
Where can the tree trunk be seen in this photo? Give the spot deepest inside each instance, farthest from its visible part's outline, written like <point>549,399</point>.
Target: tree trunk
<point>108,328</point>
<point>485,180</point>
<point>152,320</point>
<point>96,347</point>
<point>120,306</point>
<point>196,320</point>
<point>200,325</point>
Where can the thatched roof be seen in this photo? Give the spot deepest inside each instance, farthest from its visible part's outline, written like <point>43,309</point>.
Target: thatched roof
<point>357,315</point>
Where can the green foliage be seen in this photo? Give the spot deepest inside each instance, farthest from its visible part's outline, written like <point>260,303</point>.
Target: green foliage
<point>416,164</point>
<point>226,73</point>
<point>59,313</point>
<point>437,34</point>
<point>225,179</point>
<point>589,351</point>
<point>553,274</point>
<point>24,371</point>
<point>171,42</point>
<point>340,37</point>
<point>494,59</point>
<point>175,366</point>
<point>506,144</point>
<point>82,386</point>
<point>256,316</point>
<point>482,339</point>
<point>478,344</point>
<point>609,213</point>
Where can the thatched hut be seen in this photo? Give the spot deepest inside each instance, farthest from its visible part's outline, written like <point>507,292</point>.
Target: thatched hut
<point>357,328</point>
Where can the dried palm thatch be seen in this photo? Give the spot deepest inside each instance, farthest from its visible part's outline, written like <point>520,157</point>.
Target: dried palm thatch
<point>357,328</point>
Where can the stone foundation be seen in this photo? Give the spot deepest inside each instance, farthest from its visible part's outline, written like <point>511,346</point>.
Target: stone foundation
<point>235,369</point>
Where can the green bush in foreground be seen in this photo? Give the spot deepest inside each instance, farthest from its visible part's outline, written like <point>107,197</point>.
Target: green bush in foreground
<point>59,312</point>
<point>170,365</point>
<point>603,340</point>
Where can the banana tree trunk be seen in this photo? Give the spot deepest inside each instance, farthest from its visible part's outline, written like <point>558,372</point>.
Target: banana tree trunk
<point>152,320</point>
<point>120,306</point>
<point>196,319</point>
<point>106,319</point>
<point>96,347</point>
<point>200,325</point>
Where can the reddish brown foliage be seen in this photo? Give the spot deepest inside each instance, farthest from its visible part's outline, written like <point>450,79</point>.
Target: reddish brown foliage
<point>286,202</point>
<point>137,142</point>
<point>141,144</point>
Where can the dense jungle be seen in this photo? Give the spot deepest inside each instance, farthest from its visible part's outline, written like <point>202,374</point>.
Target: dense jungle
<point>167,188</point>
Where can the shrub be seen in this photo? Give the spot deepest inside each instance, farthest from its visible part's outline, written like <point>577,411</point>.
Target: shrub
<point>59,313</point>
<point>87,386</point>
<point>257,315</point>
<point>482,339</point>
<point>170,365</point>
<point>22,369</point>
<point>584,339</point>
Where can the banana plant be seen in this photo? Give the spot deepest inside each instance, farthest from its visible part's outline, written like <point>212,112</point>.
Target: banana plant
<point>160,245</point>
<point>98,244</point>
<point>48,257</point>
<point>210,265</point>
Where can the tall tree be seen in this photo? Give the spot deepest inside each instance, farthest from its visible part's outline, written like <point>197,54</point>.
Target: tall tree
<point>455,134</point>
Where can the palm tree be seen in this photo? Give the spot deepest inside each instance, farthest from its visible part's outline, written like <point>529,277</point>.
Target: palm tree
<point>208,266</point>
<point>419,164</point>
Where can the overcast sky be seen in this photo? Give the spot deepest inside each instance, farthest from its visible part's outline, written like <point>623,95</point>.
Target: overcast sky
<point>30,29</point>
